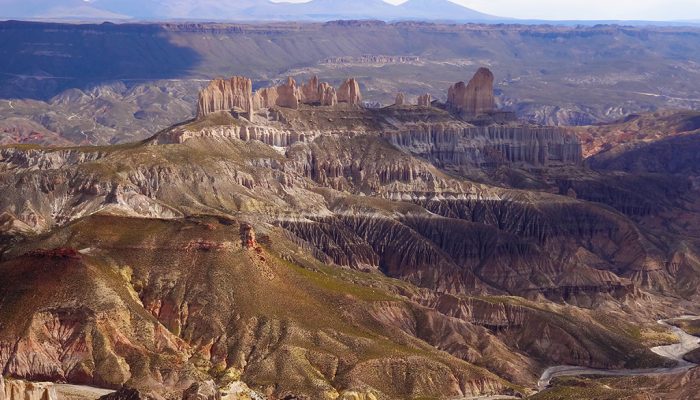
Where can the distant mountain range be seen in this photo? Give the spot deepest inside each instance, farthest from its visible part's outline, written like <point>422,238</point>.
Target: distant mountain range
<point>240,10</point>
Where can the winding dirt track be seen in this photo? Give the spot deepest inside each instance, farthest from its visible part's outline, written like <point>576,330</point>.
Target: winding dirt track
<point>686,343</point>
<point>78,392</point>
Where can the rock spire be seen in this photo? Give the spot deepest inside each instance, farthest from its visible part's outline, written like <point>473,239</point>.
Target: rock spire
<point>476,97</point>
<point>349,92</point>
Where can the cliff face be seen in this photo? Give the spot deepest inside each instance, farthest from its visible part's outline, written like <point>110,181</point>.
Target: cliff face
<point>490,146</point>
<point>225,94</point>
<point>431,134</point>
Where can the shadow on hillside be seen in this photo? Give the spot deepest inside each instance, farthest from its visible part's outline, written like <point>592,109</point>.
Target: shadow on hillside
<point>42,59</point>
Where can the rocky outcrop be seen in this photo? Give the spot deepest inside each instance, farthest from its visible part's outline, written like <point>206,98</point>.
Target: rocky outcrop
<point>475,98</point>
<point>349,92</point>
<point>425,100</point>
<point>13,389</point>
<point>225,94</point>
<point>268,135</point>
<point>248,236</point>
<point>400,99</point>
<point>238,390</point>
<point>352,395</point>
<point>202,391</point>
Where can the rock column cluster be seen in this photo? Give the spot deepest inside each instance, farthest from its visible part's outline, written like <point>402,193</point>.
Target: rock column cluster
<point>225,94</point>
<point>237,93</point>
<point>425,100</point>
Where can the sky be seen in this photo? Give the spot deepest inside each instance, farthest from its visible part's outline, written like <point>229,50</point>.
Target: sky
<point>650,10</point>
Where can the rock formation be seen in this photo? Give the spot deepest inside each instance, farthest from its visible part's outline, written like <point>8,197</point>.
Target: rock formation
<point>328,96</point>
<point>248,236</point>
<point>311,91</point>
<point>425,100</point>
<point>225,94</point>
<point>349,92</point>
<point>206,390</point>
<point>400,99</point>
<point>288,95</point>
<point>475,98</point>
<point>14,389</point>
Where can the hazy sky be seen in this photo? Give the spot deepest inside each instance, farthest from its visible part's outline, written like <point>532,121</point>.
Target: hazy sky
<point>662,10</point>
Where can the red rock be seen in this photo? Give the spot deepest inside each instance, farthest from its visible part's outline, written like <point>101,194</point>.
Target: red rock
<point>349,92</point>
<point>248,236</point>
<point>400,99</point>
<point>475,98</point>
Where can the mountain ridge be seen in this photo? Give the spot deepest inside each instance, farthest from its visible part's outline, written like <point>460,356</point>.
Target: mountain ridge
<point>249,10</point>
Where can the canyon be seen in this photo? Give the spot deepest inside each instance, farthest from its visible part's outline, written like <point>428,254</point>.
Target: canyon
<point>291,242</point>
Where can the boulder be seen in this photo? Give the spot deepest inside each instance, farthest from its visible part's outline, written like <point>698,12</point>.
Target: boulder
<point>475,98</point>
<point>349,92</point>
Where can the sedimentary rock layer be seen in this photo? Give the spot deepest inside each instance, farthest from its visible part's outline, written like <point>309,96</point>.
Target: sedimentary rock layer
<point>455,144</point>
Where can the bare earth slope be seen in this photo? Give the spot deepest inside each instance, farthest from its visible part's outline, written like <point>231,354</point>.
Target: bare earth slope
<point>338,251</point>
